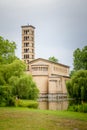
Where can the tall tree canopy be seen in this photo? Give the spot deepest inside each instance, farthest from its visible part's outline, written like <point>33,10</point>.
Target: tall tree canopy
<point>13,79</point>
<point>77,85</point>
<point>7,51</point>
<point>80,59</point>
<point>16,68</point>
<point>53,59</point>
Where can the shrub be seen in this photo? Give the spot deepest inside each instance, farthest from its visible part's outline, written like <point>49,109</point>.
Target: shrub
<point>78,108</point>
<point>27,103</point>
<point>5,96</point>
<point>11,101</point>
<point>83,108</point>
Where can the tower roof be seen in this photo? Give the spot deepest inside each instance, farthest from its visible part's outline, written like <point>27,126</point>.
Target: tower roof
<point>27,26</point>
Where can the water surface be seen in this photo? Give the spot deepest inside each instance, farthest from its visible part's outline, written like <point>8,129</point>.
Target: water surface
<point>53,105</point>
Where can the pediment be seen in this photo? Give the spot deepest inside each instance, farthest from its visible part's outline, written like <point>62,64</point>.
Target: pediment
<point>40,62</point>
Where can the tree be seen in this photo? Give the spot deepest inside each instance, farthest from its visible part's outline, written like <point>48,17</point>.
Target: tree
<point>7,51</point>
<point>53,59</point>
<point>24,87</point>
<point>6,98</point>
<point>84,58</point>
<point>15,68</point>
<point>13,80</point>
<point>7,71</point>
<point>77,85</point>
<point>80,59</point>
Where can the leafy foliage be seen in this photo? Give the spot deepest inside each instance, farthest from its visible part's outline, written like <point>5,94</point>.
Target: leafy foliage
<point>80,59</point>
<point>27,103</point>
<point>7,51</point>
<point>13,80</point>
<point>77,85</point>
<point>24,87</point>
<point>78,108</point>
<point>15,68</point>
<point>53,59</point>
<point>6,98</point>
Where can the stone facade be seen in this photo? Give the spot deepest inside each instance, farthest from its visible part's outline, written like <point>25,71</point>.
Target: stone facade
<point>50,77</point>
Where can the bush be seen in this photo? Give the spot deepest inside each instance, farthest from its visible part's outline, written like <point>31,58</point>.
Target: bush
<point>6,96</point>
<point>83,108</point>
<point>78,108</point>
<point>2,104</point>
<point>27,103</point>
<point>11,101</point>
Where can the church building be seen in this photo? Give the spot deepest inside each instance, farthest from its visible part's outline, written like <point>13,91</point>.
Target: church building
<point>49,76</point>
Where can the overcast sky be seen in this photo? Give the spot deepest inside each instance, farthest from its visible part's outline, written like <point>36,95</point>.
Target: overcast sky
<point>61,26</point>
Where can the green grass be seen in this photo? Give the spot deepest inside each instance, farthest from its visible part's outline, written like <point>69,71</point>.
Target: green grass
<point>17,118</point>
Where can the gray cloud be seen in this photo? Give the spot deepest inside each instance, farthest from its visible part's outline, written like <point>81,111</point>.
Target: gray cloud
<point>60,25</point>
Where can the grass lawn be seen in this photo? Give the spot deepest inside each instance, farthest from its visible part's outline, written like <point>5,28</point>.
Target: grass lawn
<point>33,119</point>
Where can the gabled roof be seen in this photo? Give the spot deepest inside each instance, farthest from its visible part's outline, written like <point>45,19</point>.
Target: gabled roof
<point>45,60</point>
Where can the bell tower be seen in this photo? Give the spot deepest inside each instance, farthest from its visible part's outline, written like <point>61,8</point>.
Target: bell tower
<point>28,49</point>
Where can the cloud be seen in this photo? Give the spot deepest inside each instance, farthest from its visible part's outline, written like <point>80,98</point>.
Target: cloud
<point>60,25</point>
<point>26,3</point>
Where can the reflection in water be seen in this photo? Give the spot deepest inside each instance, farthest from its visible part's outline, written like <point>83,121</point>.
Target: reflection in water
<point>53,105</point>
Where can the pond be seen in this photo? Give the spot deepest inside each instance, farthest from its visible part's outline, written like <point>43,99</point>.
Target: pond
<point>53,105</point>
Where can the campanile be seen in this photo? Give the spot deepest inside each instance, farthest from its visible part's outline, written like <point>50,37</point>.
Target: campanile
<point>28,48</point>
